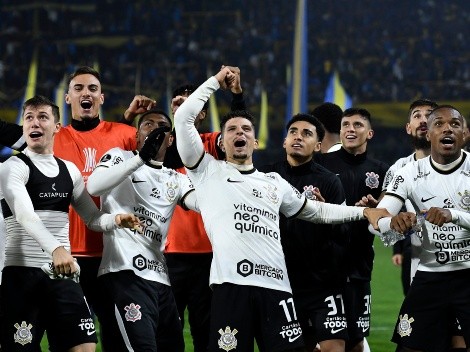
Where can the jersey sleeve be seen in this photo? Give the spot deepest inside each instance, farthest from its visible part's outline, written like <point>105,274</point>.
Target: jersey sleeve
<point>399,186</point>
<point>292,201</point>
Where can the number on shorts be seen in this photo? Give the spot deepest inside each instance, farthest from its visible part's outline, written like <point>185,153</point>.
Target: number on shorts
<point>333,305</point>
<point>367,304</point>
<point>283,303</point>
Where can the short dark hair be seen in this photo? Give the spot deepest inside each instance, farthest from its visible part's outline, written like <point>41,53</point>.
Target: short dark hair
<point>83,70</point>
<point>310,119</point>
<point>236,113</point>
<point>40,100</point>
<point>445,106</point>
<point>330,115</point>
<point>154,111</point>
<point>421,102</point>
<point>188,89</point>
<point>358,111</point>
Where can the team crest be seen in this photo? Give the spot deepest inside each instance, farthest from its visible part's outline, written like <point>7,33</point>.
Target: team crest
<point>23,333</point>
<point>465,200</point>
<point>271,194</point>
<point>227,340</point>
<point>133,312</point>
<point>171,191</point>
<point>372,180</point>
<point>308,192</point>
<point>404,326</point>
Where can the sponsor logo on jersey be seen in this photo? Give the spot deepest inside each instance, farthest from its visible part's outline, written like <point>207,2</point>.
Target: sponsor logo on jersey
<point>404,325</point>
<point>292,332</point>
<point>257,193</point>
<point>234,181</point>
<point>246,268</point>
<point>396,182</point>
<point>442,257</point>
<point>309,192</point>
<point>424,200</point>
<point>150,214</point>
<point>117,160</point>
<point>132,312</point>
<point>421,175</point>
<point>448,204</point>
<point>388,178</point>
<point>464,200</point>
<point>87,325</point>
<point>247,221</point>
<point>134,180</point>
<point>90,159</point>
<point>227,340</point>
<point>23,333</point>
<point>372,180</point>
<point>141,263</point>
<point>272,194</point>
<point>105,158</point>
<point>155,193</point>
<point>54,194</point>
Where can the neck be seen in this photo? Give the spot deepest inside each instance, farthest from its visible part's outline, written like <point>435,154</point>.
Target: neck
<point>298,161</point>
<point>444,164</point>
<point>328,141</point>
<point>241,167</point>
<point>86,124</point>
<point>422,153</point>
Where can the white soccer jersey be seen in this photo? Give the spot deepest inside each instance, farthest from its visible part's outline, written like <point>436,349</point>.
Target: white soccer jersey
<point>397,165</point>
<point>244,231</point>
<point>151,193</point>
<point>447,247</point>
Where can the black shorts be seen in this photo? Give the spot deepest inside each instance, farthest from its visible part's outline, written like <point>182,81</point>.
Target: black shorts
<point>357,301</point>
<point>139,314</point>
<point>241,314</point>
<point>33,303</point>
<point>321,315</point>
<point>427,316</point>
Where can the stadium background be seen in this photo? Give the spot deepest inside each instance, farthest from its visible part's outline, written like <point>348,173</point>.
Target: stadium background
<point>385,53</point>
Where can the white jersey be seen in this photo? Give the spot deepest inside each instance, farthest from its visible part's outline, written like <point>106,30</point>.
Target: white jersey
<point>2,238</point>
<point>32,234</point>
<point>447,247</point>
<point>397,165</point>
<point>241,216</point>
<point>151,193</point>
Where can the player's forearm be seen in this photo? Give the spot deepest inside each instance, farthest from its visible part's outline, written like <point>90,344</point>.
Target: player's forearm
<point>103,179</point>
<point>461,218</point>
<point>189,142</point>
<point>327,213</point>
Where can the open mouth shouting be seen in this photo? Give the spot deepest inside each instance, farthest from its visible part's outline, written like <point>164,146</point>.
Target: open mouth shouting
<point>240,143</point>
<point>448,142</point>
<point>35,135</point>
<point>86,104</point>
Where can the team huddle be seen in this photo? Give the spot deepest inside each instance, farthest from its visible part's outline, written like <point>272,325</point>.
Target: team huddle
<point>135,225</point>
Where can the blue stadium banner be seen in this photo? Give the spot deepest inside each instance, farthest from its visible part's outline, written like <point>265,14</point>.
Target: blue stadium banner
<point>298,73</point>
<point>335,93</point>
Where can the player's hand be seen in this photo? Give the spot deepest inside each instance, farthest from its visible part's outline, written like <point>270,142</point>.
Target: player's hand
<point>317,194</point>
<point>152,143</point>
<point>397,259</point>
<point>139,105</point>
<point>129,221</point>
<point>64,263</point>
<point>235,86</point>
<point>225,77</point>
<point>403,222</point>
<point>367,201</point>
<point>375,214</point>
<point>438,216</point>
<point>176,103</point>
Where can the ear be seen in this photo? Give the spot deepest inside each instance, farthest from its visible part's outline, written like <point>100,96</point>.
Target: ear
<point>408,128</point>
<point>221,142</point>
<point>427,136</point>
<point>317,147</point>
<point>170,140</point>
<point>58,125</point>
<point>101,98</point>
<point>370,134</point>
<point>256,144</point>
<point>284,143</point>
<point>67,99</point>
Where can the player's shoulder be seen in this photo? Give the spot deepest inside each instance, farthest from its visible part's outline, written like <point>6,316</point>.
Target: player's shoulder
<point>116,127</point>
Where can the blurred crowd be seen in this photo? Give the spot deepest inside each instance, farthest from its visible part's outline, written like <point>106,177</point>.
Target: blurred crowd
<point>383,50</point>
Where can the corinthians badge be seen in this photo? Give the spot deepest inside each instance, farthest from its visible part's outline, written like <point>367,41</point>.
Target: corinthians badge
<point>23,333</point>
<point>227,340</point>
<point>404,326</point>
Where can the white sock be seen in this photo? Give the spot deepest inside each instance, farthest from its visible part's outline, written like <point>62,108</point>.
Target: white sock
<point>366,346</point>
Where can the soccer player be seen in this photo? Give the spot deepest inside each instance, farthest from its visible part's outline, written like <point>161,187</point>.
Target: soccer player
<point>361,176</point>
<point>330,116</point>
<point>188,250</point>
<point>315,263</point>
<point>436,185</point>
<point>416,128</point>
<point>40,290</point>
<point>240,207</point>
<point>140,312</point>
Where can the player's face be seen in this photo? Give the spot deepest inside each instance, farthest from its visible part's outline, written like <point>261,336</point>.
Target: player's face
<point>149,123</point>
<point>238,140</point>
<point>85,97</point>
<point>355,133</point>
<point>301,142</point>
<point>417,127</point>
<point>39,128</point>
<point>446,134</point>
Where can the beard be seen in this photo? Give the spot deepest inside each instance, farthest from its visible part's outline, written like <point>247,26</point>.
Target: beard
<point>420,143</point>
<point>240,156</point>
